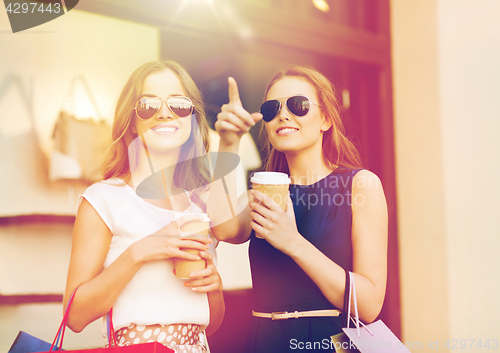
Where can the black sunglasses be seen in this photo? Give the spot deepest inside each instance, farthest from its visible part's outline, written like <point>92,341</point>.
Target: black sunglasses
<point>297,105</point>
<point>147,107</point>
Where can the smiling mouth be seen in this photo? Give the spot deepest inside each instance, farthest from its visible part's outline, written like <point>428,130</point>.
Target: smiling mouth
<point>165,129</point>
<point>286,130</point>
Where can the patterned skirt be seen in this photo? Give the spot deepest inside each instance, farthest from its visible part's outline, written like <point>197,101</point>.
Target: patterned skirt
<point>182,338</point>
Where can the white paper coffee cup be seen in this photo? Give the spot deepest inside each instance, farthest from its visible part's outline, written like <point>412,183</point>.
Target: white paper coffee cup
<point>192,230</point>
<point>274,185</point>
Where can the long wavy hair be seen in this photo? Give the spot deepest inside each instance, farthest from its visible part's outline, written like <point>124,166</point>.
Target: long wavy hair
<point>193,174</point>
<point>337,150</point>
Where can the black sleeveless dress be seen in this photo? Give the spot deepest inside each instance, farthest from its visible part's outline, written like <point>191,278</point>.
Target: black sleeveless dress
<point>323,214</point>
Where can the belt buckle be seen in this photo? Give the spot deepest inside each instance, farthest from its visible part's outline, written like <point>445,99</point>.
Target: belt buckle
<point>273,317</point>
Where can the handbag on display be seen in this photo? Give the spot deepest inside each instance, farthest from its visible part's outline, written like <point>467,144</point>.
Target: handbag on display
<point>26,343</point>
<point>79,144</point>
<point>372,338</point>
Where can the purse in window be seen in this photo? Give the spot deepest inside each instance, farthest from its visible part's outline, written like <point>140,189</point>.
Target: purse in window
<point>79,144</point>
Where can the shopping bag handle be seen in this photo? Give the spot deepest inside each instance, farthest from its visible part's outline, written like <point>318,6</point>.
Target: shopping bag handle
<point>110,328</point>
<point>346,297</point>
<point>62,327</point>
<point>70,96</point>
<point>352,293</point>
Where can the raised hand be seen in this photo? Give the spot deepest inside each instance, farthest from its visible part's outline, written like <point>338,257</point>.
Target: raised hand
<point>234,121</point>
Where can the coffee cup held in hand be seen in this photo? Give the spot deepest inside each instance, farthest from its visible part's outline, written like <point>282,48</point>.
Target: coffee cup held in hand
<point>192,230</point>
<point>274,185</point>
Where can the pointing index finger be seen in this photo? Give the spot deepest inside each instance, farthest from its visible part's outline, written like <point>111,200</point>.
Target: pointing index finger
<point>234,95</point>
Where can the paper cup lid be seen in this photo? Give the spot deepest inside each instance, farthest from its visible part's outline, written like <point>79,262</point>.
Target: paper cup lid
<point>181,214</point>
<point>270,178</point>
<point>205,218</point>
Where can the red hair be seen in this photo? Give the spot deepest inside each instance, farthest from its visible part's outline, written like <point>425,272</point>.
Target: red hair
<point>337,150</point>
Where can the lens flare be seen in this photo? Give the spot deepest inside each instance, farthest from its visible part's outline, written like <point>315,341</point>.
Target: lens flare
<point>321,5</point>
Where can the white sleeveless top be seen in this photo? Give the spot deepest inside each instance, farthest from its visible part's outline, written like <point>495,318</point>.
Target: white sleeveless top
<point>154,295</point>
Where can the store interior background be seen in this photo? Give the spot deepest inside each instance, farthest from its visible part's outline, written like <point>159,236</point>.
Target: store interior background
<point>419,81</point>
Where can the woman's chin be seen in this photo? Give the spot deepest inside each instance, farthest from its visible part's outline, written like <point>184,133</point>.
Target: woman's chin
<point>164,144</point>
<point>286,147</point>
<point>164,147</point>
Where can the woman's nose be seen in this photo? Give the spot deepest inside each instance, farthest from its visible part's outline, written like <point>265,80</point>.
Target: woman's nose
<point>164,112</point>
<point>284,114</point>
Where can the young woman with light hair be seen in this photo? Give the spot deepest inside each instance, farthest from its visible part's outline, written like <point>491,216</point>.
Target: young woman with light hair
<point>124,244</point>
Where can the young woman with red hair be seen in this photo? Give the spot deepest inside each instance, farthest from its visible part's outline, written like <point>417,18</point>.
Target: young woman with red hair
<point>335,219</point>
